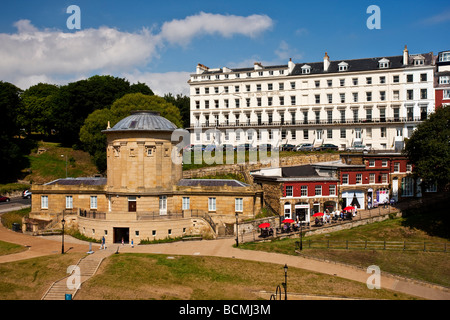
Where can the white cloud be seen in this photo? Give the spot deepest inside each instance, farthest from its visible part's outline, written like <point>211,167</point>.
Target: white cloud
<point>285,52</point>
<point>162,83</point>
<point>444,16</point>
<point>183,31</point>
<point>33,55</point>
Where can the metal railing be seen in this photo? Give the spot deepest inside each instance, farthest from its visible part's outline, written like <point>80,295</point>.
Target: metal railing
<point>375,245</point>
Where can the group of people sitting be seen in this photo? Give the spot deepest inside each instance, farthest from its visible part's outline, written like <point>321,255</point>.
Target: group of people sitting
<point>335,216</point>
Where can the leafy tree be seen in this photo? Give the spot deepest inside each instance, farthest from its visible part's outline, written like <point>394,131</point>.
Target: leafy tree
<point>75,101</point>
<point>94,140</point>
<point>183,104</point>
<point>36,115</point>
<point>11,159</point>
<point>428,149</point>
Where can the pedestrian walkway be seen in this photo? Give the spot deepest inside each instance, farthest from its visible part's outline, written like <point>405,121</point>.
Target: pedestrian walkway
<point>70,285</point>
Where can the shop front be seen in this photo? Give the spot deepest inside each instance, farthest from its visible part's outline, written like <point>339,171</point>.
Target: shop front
<point>302,212</point>
<point>354,198</point>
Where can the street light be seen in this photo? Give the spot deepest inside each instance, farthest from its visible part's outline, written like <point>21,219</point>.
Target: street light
<point>62,156</point>
<point>237,230</point>
<point>62,244</point>
<point>285,281</point>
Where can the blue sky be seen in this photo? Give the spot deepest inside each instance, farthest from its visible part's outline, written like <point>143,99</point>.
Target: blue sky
<point>161,42</point>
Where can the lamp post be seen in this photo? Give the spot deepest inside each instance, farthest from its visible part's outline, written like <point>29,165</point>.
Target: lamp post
<point>62,244</point>
<point>237,230</point>
<point>285,281</point>
<point>65,156</point>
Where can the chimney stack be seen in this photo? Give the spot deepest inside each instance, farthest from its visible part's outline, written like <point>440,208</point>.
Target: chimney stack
<point>291,65</point>
<point>405,56</point>
<point>326,62</point>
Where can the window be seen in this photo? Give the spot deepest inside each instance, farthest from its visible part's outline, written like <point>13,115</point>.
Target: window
<point>409,167</point>
<point>359,178</point>
<point>281,101</point>
<point>69,202</point>
<point>409,78</point>
<point>93,202</point>
<point>289,191</point>
<point>343,134</point>
<point>305,134</point>
<point>258,87</point>
<point>355,81</point>
<point>371,163</point>
<point>342,82</point>
<point>329,134</point>
<point>407,187</point>
<point>382,95</point>
<point>431,188</point>
<point>444,80</point>
<point>355,96</point>
<point>345,179</point>
<point>212,204</point>
<point>446,94</point>
<point>423,94</point>
<point>369,80</point>
<point>318,190</point>
<point>342,95</point>
<point>396,95</point>
<point>330,83</point>
<point>304,191</point>
<point>396,166</point>
<point>239,204</point>
<point>423,77</point>
<point>343,67</point>
<point>44,202</point>
<point>383,132</point>
<point>330,98</point>
<point>332,190</point>
<point>186,203</point>
<point>382,79</point>
<point>372,178</point>
<point>410,94</point>
<point>369,96</point>
<point>444,56</point>
<point>396,79</point>
<point>281,86</point>
<point>384,163</point>
<point>293,85</point>
<point>317,96</point>
<point>384,178</point>
<point>293,101</point>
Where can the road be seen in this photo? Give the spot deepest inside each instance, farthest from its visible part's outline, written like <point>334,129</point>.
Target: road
<point>16,203</point>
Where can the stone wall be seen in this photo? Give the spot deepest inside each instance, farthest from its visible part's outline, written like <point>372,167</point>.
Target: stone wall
<point>298,159</point>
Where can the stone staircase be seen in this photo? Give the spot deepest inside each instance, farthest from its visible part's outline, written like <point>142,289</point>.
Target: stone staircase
<point>88,266</point>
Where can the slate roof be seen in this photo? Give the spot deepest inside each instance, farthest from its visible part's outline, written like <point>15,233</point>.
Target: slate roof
<point>90,181</point>
<point>144,121</point>
<point>211,183</point>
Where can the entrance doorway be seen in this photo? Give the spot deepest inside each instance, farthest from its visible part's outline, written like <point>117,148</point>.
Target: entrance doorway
<point>121,233</point>
<point>302,212</point>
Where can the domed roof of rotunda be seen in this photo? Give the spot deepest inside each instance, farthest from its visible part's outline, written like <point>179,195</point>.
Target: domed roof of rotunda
<point>144,120</point>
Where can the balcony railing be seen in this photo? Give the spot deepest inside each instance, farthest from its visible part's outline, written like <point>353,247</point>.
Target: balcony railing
<point>331,122</point>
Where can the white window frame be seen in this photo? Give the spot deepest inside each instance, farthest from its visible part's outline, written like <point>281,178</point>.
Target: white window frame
<point>318,190</point>
<point>289,194</point>
<point>69,202</point>
<point>186,203</point>
<point>345,178</point>
<point>211,204</point>
<point>332,189</point>
<point>359,178</point>
<point>239,204</point>
<point>304,191</point>
<point>44,202</point>
<point>93,202</point>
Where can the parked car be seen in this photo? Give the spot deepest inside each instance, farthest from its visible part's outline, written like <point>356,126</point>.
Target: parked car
<point>304,147</point>
<point>244,146</point>
<point>328,146</point>
<point>265,146</point>
<point>287,147</point>
<point>226,147</point>
<point>4,199</point>
<point>26,194</point>
<point>358,148</point>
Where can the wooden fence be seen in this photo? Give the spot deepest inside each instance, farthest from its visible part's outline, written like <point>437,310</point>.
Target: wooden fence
<point>374,245</point>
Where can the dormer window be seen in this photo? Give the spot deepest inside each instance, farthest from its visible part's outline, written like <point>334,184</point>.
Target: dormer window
<point>444,56</point>
<point>343,66</point>
<point>306,69</point>
<point>419,60</point>
<point>383,63</point>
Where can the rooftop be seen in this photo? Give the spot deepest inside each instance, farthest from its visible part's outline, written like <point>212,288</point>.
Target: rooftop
<point>89,181</point>
<point>143,121</point>
<point>211,183</point>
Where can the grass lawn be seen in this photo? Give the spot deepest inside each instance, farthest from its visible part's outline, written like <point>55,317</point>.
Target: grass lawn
<point>427,266</point>
<point>149,276</point>
<point>30,279</point>
<point>10,248</point>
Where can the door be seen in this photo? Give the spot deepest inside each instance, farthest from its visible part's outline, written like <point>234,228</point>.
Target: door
<point>121,235</point>
<point>395,188</point>
<point>131,204</point>
<point>162,205</point>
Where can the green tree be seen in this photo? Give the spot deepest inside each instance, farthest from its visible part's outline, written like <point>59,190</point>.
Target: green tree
<point>75,101</point>
<point>36,115</point>
<point>428,149</point>
<point>183,104</point>
<point>11,159</point>
<point>94,141</point>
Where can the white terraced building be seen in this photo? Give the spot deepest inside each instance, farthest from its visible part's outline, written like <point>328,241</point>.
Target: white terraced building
<point>377,102</point>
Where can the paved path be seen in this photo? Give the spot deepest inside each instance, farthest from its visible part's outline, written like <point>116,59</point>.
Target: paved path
<point>220,248</point>
<point>223,248</point>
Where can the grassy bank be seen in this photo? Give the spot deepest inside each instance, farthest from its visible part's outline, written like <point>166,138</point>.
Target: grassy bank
<point>149,276</point>
<point>426,266</point>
